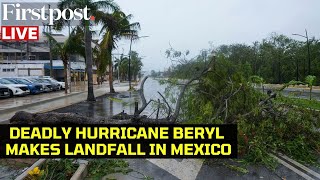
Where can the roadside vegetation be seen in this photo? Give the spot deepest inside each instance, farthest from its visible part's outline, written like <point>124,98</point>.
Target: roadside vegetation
<point>227,94</point>
<point>301,103</point>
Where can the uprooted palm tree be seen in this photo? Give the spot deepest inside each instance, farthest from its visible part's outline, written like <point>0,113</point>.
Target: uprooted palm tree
<point>96,8</point>
<point>73,45</point>
<point>115,27</point>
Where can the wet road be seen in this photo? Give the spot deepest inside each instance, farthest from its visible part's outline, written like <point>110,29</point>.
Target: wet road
<point>30,99</point>
<point>48,102</point>
<point>108,105</point>
<point>303,93</point>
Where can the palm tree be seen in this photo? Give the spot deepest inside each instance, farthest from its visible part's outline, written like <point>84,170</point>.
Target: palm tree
<point>115,26</point>
<point>136,64</point>
<point>123,68</point>
<point>96,8</point>
<point>73,45</point>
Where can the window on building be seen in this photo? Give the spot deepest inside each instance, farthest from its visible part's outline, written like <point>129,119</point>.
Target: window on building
<point>8,70</point>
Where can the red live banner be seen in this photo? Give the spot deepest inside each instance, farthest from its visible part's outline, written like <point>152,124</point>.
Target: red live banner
<point>19,33</point>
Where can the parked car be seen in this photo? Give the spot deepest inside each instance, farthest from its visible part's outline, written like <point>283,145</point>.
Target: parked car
<point>62,84</point>
<point>4,92</point>
<point>47,87</point>
<point>55,85</point>
<point>35,88</point>
<point>15,89</point>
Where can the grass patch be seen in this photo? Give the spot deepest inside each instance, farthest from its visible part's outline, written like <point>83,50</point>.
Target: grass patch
<point>302,103</point>
<point>237,168</point>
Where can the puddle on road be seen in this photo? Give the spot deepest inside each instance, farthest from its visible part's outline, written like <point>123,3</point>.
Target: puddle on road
<point>108,105</point>
<point>105,106</point>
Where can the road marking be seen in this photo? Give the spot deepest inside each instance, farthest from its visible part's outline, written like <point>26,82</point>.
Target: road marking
<point>297,171</point>
<point>315,174</point>
<point>187,169</point>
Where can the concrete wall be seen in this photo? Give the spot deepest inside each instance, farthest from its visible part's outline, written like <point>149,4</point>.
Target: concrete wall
<point>13,70</point>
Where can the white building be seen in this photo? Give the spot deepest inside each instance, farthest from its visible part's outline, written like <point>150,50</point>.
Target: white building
<point>32,59</point>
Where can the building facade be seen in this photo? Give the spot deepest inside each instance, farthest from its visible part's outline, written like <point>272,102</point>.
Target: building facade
<point>19,59</point>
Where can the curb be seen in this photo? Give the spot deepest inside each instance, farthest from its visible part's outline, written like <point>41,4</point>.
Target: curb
<point>37,103</point>
<point>80,173</point>
<point>82,170</point>
<point>25,173</point>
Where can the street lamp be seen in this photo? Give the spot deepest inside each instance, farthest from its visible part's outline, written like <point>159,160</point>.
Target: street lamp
<point>308,45</point>
<point>133,37</point>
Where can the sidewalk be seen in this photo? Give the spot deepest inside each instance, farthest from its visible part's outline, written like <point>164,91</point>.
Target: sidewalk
<point>49,102</point>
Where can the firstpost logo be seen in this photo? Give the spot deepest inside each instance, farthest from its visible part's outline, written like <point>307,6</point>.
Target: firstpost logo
<point>21,21</point>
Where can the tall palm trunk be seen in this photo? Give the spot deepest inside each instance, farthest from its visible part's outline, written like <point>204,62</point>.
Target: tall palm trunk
<point>111,73</point>
<point>65,72</point>
<point>87,37</point>
<point>111,78</point>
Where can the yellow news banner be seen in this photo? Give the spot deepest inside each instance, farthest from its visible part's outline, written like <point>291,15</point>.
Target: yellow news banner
<point>172,141</point>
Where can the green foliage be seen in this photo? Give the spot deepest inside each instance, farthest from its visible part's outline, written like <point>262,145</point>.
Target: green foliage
<point>121,65</point>
<point>291,83</point>
<point>115,26</point>
<point>225,95</point>
<point>256,79</point>
<point>277,59</point>
<point>301,103</point>
<point>237,168</point>
<point>310,80</point>
<point>99,168</point>
<point>59,170</point>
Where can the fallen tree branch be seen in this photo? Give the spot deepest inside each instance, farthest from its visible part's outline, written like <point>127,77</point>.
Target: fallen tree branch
<point>174,117</point>
<point>169,107</point>
<point>143,98</point>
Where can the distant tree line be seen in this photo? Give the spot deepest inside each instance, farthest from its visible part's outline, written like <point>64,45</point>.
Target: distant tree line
<point>277,59</point>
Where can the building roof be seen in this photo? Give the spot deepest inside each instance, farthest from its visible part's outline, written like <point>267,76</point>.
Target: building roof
<point>60,38</point>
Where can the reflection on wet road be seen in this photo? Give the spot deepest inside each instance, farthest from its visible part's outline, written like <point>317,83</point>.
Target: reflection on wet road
<point>109,105</point>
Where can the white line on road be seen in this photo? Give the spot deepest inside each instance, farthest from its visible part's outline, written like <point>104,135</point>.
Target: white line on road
<point>297,171</point>
<point>300,166</point>
<point>187,169</point>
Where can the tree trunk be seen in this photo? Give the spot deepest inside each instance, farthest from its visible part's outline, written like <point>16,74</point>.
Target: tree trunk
<point>89,64</point>
<point>65,72</point>
<point>111,78</point>
<point>69,75</point>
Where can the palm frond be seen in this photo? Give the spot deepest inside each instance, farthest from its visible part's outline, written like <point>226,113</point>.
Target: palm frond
<point>107,4</point>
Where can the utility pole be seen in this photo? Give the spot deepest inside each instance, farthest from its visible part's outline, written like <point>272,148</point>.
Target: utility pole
<point>129,71</point>
<point>308,46</point>
<point>50,51</point>
<point>69,61</point>
<point>119,64</point>
<point>309,58</point>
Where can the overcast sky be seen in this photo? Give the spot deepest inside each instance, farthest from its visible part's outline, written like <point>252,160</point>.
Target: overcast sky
<point>192,24</point>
